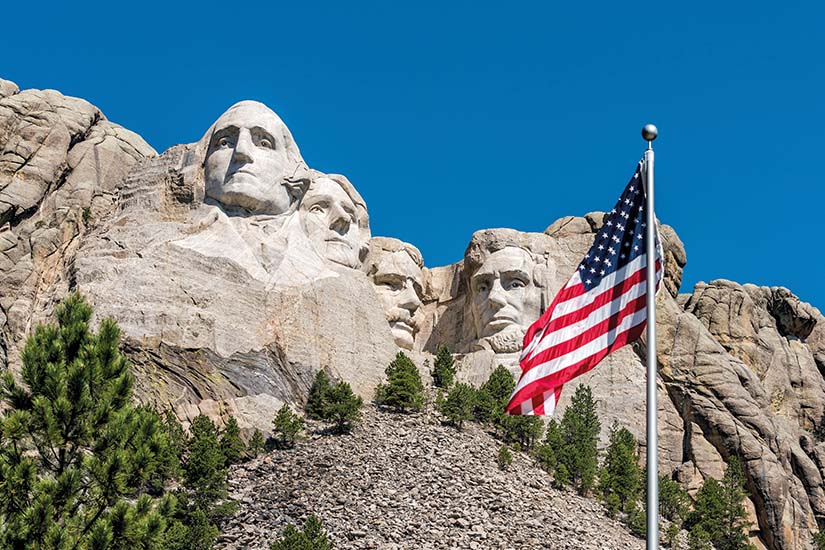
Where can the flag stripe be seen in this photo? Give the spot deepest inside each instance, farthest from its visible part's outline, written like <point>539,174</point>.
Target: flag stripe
<point>601,308</point>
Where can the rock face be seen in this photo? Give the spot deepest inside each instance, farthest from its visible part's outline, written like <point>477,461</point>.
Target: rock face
<point>407,482</point>
<point>236,272</point>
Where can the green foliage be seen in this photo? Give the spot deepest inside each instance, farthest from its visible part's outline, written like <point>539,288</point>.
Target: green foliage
<point>79,465</point>
<point>621,475</point>
<point>674,502</point>
<point>719,511</point>
<point>256,444</point>
<point>458,406</point>
<point>87,215</point>
<point>493,395</point>
<point>819,430</point>
<point>505,458</point>
<point>231,443</point>
<point>403,389</point>
<point>343,407</point>
<point>204,468</point>
<point>312,537</point>
<point>316,402</point>
<point>523,430</point>
<point>547,454</point>
<point>287,427</point>
<point>444,369</point>
<point>699,539</point>
<point>636,520</point>
<point>580,428</point>
<point>819,540</point>
<point>671,535</point>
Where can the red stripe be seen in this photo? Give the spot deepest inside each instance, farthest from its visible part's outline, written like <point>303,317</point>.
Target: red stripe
<point>582,338</point>
<point>563,376</point>
<point>568,292</point>
<point>601,300</point>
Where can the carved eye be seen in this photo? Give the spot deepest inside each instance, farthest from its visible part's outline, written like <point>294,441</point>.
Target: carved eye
<point>392,285</point>
<point>266,144</point>
<point>517,283</point>
<point>317,209</point>
<point>482,287</point>
<point>224,142</point>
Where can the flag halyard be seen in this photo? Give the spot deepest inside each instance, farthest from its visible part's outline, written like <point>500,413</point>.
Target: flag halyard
<point>600,309</point>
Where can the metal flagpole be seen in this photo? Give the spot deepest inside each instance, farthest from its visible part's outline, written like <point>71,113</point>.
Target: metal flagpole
<point>649,133</point>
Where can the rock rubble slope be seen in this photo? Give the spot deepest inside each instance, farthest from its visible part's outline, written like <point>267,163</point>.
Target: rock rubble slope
<point>407,482</point>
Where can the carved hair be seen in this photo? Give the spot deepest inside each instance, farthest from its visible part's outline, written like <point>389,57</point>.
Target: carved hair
<point>378,246</point>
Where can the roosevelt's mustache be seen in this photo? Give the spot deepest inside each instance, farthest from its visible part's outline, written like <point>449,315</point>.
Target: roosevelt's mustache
<point>400,314</point>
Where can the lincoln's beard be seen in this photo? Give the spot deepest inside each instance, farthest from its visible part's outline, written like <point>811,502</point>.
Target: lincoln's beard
<point>508,340</point>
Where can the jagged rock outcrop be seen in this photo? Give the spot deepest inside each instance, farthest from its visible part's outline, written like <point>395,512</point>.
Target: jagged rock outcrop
<point>407,482</point>
<point>236,272</point>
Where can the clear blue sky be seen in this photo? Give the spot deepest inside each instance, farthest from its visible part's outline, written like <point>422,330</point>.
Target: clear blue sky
<point>455,116</point>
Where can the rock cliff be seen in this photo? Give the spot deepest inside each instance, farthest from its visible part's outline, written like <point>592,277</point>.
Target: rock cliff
<point>236,272</point>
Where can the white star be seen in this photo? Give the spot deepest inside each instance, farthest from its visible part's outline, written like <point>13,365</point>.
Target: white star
<point>620,227</point>
<point>581,266</point>
<point>608,263</point>
<point>626,245</point>
<point>636,247</point>
<point>636,176</point>
<point>597,259</point>
<point>615,238</point>
<point>627,201</point>
<point>624,255</point>
<point>592,270</point>
<point>588,281</point>
<point>609,223</point>
<point>601,272</point>
<point>601,247</point>
<point>604,235</point>
<point>632,188</point>
<point>611,250</point>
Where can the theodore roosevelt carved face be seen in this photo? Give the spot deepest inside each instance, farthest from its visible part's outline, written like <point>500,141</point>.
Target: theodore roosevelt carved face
<point>395,269</point>
<point>249,157</point>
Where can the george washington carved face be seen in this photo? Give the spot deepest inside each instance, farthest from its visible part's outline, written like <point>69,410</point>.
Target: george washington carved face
<point>250,154</point>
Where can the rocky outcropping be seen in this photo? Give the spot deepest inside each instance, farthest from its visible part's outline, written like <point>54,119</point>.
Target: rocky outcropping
<point>407,482</point>
<point>237,272</point>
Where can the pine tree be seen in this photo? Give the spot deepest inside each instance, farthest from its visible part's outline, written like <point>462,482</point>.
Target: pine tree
<point>522,430</point>
<point>719,510</point>
<point>458,405</point>
<point>444,370</point>
<point>205,472</point>
<point>78,463</point>
<point>674,502</point>
<point>231,443</point>
<point>403,389</point>
<point>312,537</point>
<point>580,427</point>
<point>819,540</point>
<point>316,402</point>
<point>287,426</point>
<point>505,458</point>
<point>343,407</point>
<point>256,444</point>
<point>621,475</point>
<point>493,395</point>
<point>547,454</point>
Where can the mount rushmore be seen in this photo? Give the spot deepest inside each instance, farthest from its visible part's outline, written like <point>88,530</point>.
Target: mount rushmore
<point>236,272</point>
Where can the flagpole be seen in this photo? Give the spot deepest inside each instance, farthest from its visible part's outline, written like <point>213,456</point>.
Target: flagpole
<point>649,133</point>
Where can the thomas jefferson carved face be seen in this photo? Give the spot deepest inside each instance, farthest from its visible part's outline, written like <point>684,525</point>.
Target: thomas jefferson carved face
<point>397,279</point>
<point>504,298</point>
<point>330,218</point>
<point>247,159</point>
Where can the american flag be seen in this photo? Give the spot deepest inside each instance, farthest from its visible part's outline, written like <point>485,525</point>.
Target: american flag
<point>600,309</point>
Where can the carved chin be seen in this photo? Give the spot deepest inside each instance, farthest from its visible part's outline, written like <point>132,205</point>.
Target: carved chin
<point>507,341</point>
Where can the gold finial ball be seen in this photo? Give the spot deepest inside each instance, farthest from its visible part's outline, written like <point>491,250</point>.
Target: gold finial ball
<point>649,132</point>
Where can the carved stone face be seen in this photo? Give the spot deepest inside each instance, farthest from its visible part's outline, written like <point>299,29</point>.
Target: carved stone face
<point>247,159</point>
<point>330,219</point>
<point>504,297</point>
<point>397,280</point>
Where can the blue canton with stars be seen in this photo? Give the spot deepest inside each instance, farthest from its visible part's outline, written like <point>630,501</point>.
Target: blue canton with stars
<point>621,238</point>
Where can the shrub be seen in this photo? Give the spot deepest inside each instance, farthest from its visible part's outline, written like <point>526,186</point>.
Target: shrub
<point>522,430</point>
<point>403,389</point>
<point>674,502</point>
<point>493,395</point>
<point>316,401</point>
<point>505,458</point>
<point>444,370</point>
<point>458,405</point>
<point>286,427</point>
<point>231,443</point>
<point>343,407</point>
<point>256,444</point>
<point>312,537</point>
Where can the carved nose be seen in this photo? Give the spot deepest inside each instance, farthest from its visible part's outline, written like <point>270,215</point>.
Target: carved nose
<point>340,220</point>
<point>497,296</point>
<point>243,149</point>
<point>409,299</point>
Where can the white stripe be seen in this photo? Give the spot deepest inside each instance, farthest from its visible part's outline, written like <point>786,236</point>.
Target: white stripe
<point>607,283</point>
<point>574,281</point>
<point>594,318</point>
<point>527,407</point>
<point>550,402</point>
<point>591,348</point>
